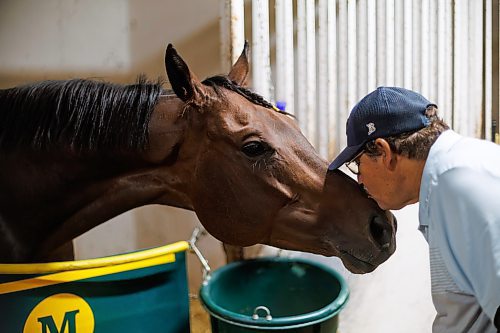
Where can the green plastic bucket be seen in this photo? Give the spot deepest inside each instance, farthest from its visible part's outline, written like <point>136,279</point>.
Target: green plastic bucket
<point>274,294</point>
<point>144,291</point>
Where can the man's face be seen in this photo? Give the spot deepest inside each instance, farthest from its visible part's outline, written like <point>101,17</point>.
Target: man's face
<point>383,177</point>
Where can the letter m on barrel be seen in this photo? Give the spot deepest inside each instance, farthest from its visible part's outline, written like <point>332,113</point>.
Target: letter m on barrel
<point>68,324</point>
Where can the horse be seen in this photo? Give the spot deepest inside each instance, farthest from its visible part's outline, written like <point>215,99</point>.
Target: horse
<point>75,153</point>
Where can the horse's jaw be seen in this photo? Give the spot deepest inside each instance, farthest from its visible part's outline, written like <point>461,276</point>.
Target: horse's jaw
<point>306,229</point>
<point>295,228</point>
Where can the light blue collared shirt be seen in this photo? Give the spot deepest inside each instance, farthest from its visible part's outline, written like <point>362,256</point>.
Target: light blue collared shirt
<point>460,218</point>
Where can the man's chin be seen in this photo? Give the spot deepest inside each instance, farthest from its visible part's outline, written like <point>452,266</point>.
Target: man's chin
<point>385,206</point>
<point>394,206</point>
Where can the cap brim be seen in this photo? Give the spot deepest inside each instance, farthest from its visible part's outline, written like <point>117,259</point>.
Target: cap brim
<point>345,156</point>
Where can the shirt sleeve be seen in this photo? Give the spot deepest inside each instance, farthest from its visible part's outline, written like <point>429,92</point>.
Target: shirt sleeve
<point>466,204</point>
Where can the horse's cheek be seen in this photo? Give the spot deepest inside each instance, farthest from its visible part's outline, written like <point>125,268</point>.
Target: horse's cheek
<point>219,199</point>
<point>209,187</point>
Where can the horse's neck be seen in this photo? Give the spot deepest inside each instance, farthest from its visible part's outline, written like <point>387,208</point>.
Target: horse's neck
<point>155,177</point>
<point>171,159</point>
<point>62,197</point>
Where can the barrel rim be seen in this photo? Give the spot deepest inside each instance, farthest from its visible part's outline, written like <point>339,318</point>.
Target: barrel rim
<point>297,321</point>
<point>61,266</point>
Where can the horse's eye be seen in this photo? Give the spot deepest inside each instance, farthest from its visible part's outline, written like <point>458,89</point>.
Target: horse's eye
<point>254,148</point>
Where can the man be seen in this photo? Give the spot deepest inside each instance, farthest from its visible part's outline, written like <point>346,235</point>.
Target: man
<point>402,153</point>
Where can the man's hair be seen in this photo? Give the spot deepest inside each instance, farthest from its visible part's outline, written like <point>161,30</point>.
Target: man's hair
<point>414,145</point>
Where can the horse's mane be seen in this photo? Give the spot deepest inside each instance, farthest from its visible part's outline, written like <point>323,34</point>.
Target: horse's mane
<point>88,115</point>
<point>82,114</point>
<point>223,81</point>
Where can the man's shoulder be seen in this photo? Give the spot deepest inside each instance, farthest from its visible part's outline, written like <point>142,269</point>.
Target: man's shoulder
<point>458,165</point>
<point>453,151</point>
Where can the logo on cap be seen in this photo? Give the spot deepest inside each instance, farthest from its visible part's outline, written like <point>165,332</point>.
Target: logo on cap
<point>371,128</point>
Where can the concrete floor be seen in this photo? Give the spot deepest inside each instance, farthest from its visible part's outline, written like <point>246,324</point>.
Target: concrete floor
<point>198,317</point>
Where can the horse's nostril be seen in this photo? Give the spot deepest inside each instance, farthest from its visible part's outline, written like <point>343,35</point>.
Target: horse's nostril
<point>381,232</point>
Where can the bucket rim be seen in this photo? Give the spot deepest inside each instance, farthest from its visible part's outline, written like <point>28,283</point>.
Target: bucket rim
<point>310,318</point>
<point>62,266</point>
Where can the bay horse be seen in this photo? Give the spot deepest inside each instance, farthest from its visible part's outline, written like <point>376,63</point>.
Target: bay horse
<point>76,153</point>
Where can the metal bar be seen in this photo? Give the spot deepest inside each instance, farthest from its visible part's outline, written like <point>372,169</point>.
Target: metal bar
<point>280,50</point>
<point>322,77</point>
<point>417,45</point>
<point>425,48</point>
<point>441,55</point>
<point>301,65</point>
<point>284,54</point>
<point>408,45</point>
<point>261,63</point>
<point>495,69</point>
<point>447,108</point>
<point>432,93</point>
<point>334,131</point>
<point>352,73</point>
<point>232,26</point>
<point>311,72</point>
<point>399,43</point>
<point>475,64</point>
<point>372,45</point>
<point>362,48</point>
<point>381,49</point>
<point>487,72</point>
<point>460,68</point>
<point>197,233</point>
<point>389,43</point>
<point>343,103</point>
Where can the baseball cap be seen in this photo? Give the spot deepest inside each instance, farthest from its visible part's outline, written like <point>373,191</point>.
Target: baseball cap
<point>384,112</point>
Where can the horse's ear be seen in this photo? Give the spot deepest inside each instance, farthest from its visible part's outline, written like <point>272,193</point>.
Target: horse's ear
<point>239,72</point>
<point>184,83</point>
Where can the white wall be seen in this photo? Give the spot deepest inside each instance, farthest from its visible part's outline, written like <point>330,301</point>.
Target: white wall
<point>112,39</point>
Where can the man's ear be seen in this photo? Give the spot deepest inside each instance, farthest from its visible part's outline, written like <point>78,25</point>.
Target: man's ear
<point>389,158</point>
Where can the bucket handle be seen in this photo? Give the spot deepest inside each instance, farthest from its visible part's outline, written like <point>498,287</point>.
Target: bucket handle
<point>197,233</point>
<point>255,315</point>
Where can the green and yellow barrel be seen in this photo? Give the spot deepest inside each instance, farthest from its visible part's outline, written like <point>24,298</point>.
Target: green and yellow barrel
<point>144,291</point>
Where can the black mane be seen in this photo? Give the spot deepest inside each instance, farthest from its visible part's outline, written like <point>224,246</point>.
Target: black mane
<point>81,114</point>
<point>88,115</point>
<point>223,81</point>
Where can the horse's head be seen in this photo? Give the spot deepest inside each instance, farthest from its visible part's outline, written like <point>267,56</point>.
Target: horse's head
<point>255,178</point>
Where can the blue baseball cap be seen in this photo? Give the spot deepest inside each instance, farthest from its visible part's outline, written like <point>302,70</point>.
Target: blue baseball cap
<point>384,112</point>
